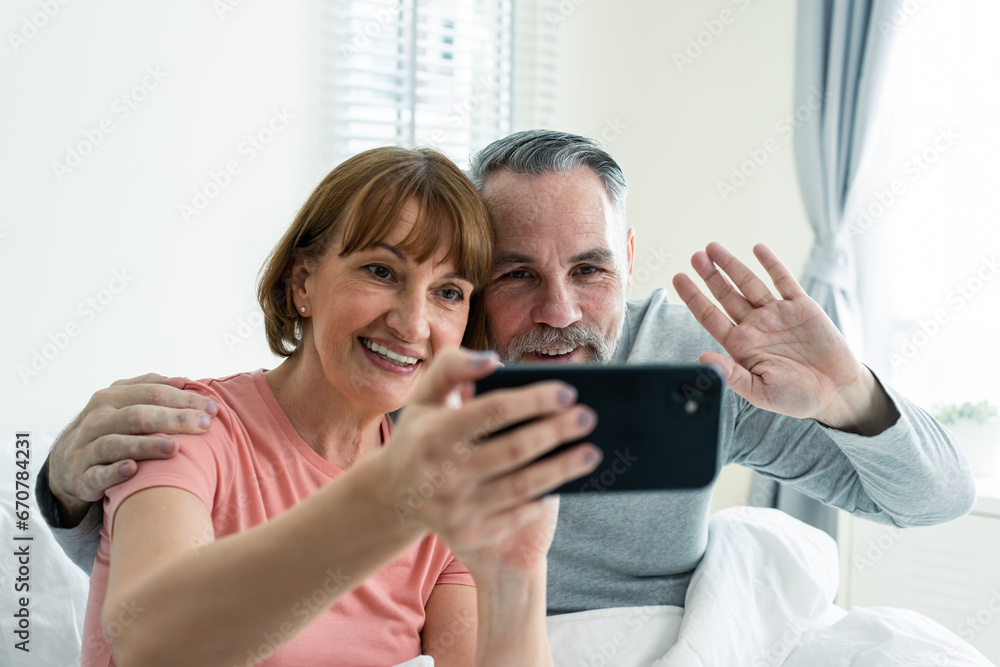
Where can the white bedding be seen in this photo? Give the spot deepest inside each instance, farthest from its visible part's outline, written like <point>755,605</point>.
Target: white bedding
<point>761,597</point>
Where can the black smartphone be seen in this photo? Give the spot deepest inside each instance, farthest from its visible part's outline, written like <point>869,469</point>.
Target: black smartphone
<point>658,425</point>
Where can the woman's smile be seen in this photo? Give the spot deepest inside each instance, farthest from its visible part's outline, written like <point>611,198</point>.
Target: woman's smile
<point>389,358</point>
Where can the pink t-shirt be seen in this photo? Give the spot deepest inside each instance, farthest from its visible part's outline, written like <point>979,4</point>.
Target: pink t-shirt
<point>251,466</point>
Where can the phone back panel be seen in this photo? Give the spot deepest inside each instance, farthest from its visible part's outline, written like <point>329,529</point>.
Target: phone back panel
<point>658,425</point>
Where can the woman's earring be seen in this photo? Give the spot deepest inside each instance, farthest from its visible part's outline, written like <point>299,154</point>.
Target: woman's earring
<point>302,309</point>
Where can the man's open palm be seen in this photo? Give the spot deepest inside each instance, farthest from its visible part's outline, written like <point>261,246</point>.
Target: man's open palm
<point>787,355</point>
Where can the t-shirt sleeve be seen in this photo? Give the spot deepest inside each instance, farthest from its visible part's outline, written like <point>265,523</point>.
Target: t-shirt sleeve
<point>199,467</point>
<point>455,573</point>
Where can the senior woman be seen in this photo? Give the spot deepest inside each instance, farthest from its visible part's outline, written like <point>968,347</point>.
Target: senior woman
<point>303,528</point>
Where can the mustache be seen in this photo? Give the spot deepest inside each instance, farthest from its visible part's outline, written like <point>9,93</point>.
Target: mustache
<point>548,337</point>
<point>545,336</point>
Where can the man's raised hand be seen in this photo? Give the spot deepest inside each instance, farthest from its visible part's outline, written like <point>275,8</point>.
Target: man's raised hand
<point>786,354</point>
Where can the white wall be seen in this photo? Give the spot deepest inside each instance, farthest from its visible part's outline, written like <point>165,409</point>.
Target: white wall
<point>66,235</point>
<point>678,130</point>
<point>684,131</point>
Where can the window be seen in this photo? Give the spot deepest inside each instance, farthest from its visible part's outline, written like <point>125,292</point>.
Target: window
<point>929,251</point>
<point>441,73</point>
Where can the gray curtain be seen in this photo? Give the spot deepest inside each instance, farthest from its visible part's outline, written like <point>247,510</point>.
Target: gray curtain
<point>840,60</point>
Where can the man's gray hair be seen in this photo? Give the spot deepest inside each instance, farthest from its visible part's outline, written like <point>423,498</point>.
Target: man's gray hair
<point>537,152</point>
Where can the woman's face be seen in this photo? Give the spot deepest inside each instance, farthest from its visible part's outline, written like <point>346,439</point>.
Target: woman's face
<point>376,317</point>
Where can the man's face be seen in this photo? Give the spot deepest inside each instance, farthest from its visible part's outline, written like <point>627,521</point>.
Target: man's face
<point>562,271</point>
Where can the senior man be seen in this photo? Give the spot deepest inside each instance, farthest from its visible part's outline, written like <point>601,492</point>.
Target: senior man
<point>799,408</point>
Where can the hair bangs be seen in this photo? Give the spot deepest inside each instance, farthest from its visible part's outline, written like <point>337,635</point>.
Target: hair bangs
<point>376,210</point>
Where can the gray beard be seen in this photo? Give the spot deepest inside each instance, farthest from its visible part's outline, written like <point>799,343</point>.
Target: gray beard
<point>602,348</point>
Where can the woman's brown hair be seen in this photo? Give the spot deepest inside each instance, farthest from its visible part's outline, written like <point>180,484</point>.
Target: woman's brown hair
<point>359,202</point>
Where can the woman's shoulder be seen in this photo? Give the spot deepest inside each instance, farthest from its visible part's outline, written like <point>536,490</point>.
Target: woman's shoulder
<point>233,394</point>
<point>234,397</point>
<point>230,387</point>
<point>204,462</point>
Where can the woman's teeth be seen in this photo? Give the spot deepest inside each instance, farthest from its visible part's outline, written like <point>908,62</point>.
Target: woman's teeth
<point>398,359</point>
<point>556,353</point>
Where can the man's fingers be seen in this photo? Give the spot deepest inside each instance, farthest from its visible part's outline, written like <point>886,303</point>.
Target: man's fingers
<point>450,369</point>
<point>162,395</point>
<point>116,447</point>
<point>710,317</point>
<point>177,383</point>
<point>148,378</point>
<point>149,419</point>
<point>97,479</point>
<point>752,287</point>
<point>786,284</point>
<point>731,299</point>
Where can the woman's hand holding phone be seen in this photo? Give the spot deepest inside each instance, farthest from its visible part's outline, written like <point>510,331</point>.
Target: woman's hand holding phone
<point>446,470</point>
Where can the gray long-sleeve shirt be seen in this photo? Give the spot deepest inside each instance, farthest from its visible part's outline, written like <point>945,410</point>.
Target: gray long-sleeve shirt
<point>620,550</point>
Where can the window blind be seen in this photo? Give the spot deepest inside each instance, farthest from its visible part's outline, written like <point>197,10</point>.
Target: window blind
<point>452,74</point>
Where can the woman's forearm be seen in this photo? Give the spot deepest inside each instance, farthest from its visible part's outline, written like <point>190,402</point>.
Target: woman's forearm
<point>511,609</point>
<point>261,587</point>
